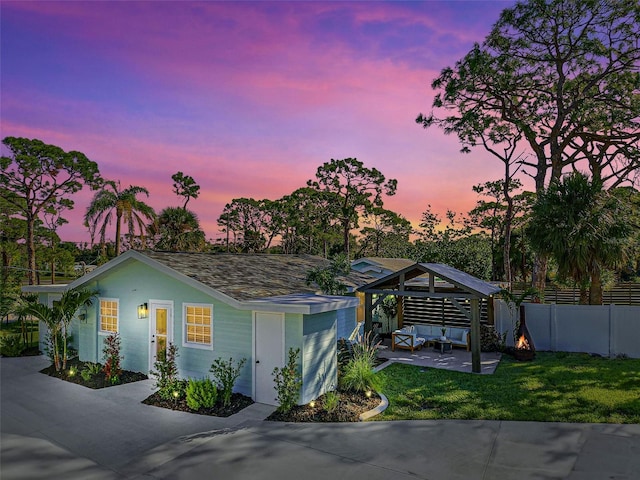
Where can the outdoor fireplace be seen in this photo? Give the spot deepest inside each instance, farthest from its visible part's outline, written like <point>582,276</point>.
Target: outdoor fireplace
<point>524,349</point>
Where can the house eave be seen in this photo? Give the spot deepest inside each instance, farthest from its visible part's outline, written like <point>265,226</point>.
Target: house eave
<point>305,304</point>
<point>60,288</point>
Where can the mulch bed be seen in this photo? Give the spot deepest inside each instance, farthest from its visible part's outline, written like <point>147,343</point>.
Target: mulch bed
<point>349,409</point>
<point>238,402</point>
<point>96,381</point>
<point>351,406</point>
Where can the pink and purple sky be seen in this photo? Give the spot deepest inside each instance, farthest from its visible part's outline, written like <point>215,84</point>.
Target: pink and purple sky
<point>249,98</point>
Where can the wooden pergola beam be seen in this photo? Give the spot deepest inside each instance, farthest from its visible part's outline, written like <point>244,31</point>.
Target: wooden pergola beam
<point>420,293</point>
<point>368,310</point>
<point>461,308</point>
<point>476,366</point>
<point>379,300</point>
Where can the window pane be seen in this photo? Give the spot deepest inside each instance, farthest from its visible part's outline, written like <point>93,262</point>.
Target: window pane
<point>198,324</point>
<point>161,321</point>
<point>109,315</point>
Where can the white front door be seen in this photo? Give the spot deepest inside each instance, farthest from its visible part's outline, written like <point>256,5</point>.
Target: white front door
<point>160,328</point>
<point>268,354</point>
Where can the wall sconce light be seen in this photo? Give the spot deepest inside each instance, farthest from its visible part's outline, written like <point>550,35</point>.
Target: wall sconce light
<point>82,315</point>
<point>143,310</point>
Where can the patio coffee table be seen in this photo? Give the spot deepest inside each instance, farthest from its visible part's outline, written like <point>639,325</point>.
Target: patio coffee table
<point>443,346</point>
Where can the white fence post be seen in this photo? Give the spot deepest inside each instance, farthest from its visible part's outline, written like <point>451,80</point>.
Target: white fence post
<point>612,333</point>
<point>553,328</point>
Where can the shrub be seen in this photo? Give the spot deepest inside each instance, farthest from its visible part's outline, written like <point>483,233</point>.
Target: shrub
<point>358,374</point>
<point>112,358</point>
<point>226,375</point>
<point>331,400</point>
<point>166,372</point>
<point>367,348</point>
<point>288,381</point>
<point>345,354</point>
<point>490,340</point>
<point>201,394</point>
<point>11,346</point>
<point>90,370</point>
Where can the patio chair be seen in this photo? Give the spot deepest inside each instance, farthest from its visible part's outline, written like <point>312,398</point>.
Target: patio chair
<point>357,334</point>
<point>406,339</point>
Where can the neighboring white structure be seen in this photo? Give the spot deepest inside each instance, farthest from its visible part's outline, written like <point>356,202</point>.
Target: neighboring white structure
<point>379,267</point>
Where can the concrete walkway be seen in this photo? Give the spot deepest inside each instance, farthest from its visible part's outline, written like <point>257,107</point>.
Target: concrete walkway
<point>56,430</point>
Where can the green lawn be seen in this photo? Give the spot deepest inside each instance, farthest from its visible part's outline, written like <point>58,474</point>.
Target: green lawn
<point>555,387</point>
<point>14,329</point>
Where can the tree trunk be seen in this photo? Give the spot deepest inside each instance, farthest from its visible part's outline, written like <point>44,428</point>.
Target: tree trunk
<point>56,351</point>
<point>64,349</point>
<point>507,251</point>
<point>540,262</point>
<point>345,232</point>
<point>5,268</point>
<point>584,294</point>
<point>539,274</point>
<point>492,245</point>
<point>595,290</point>
<point>523,256</point>
<point>118,227</point>
<point>507,226</point>
<point>31,250</point>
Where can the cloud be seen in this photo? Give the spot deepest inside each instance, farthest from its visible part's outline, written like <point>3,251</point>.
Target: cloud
<point>247,97</point>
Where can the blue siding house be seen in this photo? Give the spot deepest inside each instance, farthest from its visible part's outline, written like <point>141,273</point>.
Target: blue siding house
<point>212,306</point>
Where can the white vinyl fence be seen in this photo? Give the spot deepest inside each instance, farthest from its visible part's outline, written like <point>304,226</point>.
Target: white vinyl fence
<point>607,330</point>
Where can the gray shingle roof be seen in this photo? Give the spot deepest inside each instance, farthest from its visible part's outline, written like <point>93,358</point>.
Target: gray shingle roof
<point>250,276</point>
<point>393,264</point>
<point>462,279</point>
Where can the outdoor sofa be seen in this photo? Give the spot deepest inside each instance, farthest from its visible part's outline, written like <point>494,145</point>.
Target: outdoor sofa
<point>413,337</point>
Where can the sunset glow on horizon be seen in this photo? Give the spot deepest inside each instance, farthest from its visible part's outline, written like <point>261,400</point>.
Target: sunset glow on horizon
<point>249,98</point>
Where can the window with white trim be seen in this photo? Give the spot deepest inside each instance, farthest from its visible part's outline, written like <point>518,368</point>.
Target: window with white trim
<point>197,325</point>
<point>109,309</point>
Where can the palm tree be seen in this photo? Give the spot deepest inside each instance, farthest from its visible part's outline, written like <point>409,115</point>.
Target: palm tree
<point>585,229</point>
<point>122,203</point>
<point>58,318</point>
<point>178,230</point>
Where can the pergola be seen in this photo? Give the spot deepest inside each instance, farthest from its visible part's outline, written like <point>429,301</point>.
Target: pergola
<point>460,285</point>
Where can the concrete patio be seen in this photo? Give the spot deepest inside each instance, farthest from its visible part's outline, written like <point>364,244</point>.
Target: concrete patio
<point>458,359</point>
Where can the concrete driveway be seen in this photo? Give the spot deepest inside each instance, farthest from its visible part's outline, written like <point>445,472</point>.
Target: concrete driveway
<point>52,429</point>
